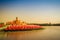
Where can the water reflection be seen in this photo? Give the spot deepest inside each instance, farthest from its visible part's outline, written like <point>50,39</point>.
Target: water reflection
<point>49,33</point>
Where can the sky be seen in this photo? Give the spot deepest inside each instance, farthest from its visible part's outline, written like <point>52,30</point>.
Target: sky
<point>30,11</point>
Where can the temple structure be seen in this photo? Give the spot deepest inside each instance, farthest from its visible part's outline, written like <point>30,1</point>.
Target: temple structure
<point>17,22</point>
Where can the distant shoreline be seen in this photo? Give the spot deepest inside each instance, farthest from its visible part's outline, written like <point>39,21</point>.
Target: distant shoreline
<point>45,24</point>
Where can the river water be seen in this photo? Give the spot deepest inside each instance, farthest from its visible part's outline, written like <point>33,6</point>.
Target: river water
<point>49,33</point>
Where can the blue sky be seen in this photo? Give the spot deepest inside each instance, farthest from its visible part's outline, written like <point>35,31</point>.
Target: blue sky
<point>32,11</point>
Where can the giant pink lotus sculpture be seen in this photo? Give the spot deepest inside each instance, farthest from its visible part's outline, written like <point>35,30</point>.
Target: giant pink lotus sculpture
<point>23,27</point>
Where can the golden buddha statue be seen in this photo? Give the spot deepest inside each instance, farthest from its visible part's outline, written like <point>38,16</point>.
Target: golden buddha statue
<point>17,22</point>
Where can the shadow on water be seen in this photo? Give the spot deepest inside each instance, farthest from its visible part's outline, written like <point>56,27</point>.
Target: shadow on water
<point>18,35</point>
